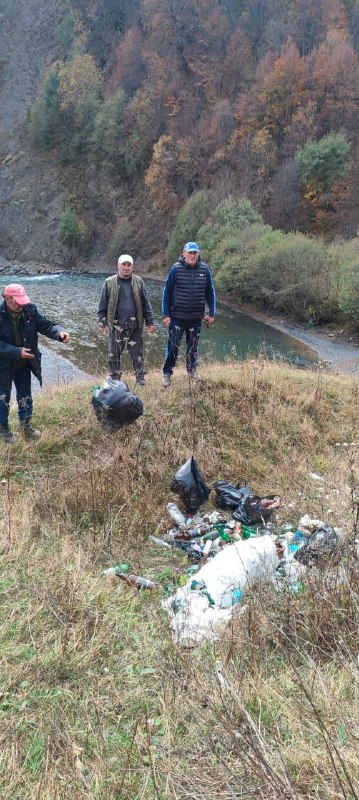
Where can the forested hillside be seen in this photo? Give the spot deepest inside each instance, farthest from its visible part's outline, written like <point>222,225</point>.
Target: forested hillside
<point>148,102</point>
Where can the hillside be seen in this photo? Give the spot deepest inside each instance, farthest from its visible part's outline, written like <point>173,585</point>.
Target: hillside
<point>118,112</point>
<point>30,187</point>
<point>95,699</point>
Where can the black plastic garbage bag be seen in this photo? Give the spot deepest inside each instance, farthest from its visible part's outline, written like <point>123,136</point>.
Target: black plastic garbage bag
<point>256,509</point>
<point>229,496</point>
<point>245,506</point>
<point>190,486</point>
<point>115,405</point>
<point>319,548</point>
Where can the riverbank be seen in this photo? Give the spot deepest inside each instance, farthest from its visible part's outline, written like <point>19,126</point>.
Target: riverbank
<point>58,372</point>
<point>337,350</point>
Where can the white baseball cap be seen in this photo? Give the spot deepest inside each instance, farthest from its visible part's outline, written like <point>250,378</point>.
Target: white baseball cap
<point>124,258</point>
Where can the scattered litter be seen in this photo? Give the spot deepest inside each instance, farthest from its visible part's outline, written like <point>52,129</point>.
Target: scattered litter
<point>308,525</point>
<point>132,580</point>
<point>160,542</point>
<point>117,569</point>
<point>319,548</point>
<point>315,477</point>
<point>115,405</point>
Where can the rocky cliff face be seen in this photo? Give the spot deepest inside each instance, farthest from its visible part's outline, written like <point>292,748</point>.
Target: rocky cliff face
<point>30,188</point>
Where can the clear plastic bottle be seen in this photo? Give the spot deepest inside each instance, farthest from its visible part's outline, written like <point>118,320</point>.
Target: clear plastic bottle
<point>117,569</point>
<point>176,514</point>
<point>139,582</point>
<point>160,542</point>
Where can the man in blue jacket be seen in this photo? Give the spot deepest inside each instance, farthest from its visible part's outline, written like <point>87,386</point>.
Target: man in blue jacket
<point>20,323</point>
<point>189,286</point>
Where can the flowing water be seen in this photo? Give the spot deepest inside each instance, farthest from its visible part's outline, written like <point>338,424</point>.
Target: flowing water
<point>72,300</point>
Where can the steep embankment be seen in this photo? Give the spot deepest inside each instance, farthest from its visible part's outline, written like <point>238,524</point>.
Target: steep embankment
<point>95,699</point>
<point>30,189</point>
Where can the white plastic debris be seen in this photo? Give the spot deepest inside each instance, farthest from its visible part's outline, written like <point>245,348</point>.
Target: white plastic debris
<point>307,525</point>
<point>315,477</point>
<point>192,616</point>
<point>213,518</point>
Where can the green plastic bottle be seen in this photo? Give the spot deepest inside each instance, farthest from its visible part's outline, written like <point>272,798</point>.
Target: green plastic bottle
<point>248,532</point>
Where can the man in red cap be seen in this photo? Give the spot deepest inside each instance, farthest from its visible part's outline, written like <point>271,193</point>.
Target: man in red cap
<point>20,323</point>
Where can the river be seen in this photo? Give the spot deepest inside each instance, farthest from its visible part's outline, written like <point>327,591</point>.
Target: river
<point>72,300</point>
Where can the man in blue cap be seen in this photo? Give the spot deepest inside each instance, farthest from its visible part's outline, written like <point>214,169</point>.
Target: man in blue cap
<point>189,286</point>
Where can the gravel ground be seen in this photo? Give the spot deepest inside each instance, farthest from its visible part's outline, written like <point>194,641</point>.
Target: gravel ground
<point>338,351</point>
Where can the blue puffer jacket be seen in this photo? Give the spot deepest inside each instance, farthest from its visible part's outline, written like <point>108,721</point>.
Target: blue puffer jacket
<point>31,324</point>
<point>187,290</point>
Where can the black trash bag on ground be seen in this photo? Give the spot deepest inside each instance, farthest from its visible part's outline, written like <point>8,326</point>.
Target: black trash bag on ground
<point>256,509</point>
<point>115,405</point>
<point>246,507</point>
<point>319,548</point>
<point>190,486</point>
<point>229,496</point>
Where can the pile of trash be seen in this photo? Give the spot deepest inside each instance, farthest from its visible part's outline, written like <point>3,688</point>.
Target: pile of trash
<point>230,550</point>
<point>239,559</point>
<point>204,536</point>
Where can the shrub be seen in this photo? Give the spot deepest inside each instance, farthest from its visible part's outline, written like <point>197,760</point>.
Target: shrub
<point>347,255</point>
<point>290,272</point>
<point>237,213</point>
<point>189,219</point>
<point>326,161</point>
<point>72,229</point>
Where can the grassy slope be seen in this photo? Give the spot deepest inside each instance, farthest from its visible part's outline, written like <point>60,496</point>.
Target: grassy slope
<point>95,700</point>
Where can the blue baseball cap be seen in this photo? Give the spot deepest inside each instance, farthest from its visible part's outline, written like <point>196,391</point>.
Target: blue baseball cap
<point>191,247</point>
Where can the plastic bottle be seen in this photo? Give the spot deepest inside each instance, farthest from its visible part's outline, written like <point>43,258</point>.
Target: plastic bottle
<point>161,542</point>
<point>176,514</point>
<point>139,582</point>
<point>207,548</point>
<point>248,532</point>
<point>186,536</point>
<point>117,569</point>
<point>192,569</point>
<point>287,527</point>
<point>132,580</point>
<point>211,535</point>
<point>269,527</point>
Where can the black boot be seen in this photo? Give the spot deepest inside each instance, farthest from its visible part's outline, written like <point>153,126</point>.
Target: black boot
<point>28,431</point>
<point>5,434</point>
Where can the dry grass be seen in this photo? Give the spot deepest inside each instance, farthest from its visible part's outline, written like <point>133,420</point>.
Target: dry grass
<point>95,699</point>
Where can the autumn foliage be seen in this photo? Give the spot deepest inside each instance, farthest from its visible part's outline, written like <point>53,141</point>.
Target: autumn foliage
<point>169,99</point>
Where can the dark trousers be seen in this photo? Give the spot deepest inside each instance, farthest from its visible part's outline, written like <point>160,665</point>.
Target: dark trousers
<point>192,329</point>
<point>117,343</point>
<point>22,381</point>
